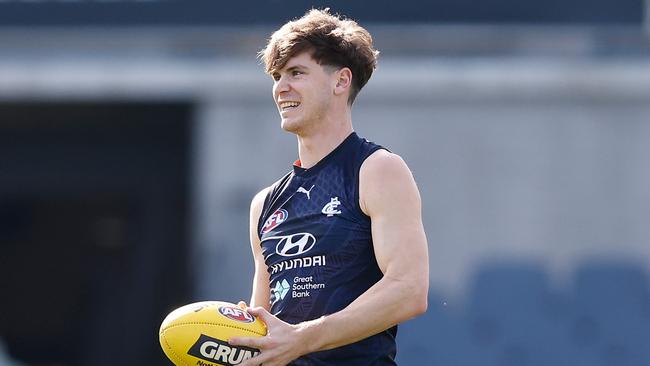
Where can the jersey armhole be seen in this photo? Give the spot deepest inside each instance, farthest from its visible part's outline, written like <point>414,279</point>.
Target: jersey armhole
<point>273,193</point>
<point>260,219</point>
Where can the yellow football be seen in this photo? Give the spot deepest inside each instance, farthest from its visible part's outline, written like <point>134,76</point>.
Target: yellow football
<point>197,334</point>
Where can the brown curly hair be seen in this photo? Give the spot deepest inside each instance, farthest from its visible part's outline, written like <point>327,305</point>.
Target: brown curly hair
<point>331,39</point>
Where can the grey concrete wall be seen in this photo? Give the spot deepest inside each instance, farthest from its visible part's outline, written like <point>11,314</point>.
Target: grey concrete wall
<point>542,159</point>
<point>532,164</point>
<point>544,163</point>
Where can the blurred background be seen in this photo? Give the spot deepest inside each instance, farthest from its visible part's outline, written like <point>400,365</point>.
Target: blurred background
<point>133,134</point>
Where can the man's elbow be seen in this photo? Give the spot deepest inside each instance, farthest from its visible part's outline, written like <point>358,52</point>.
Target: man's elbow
<point>421,302</point>
<point>418,301</point>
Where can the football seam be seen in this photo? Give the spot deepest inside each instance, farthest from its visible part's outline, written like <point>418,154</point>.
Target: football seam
<point>169,347</point>
<point>215,324</point>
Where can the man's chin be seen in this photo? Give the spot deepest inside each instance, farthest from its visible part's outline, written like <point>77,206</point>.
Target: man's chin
<point>290,126</point>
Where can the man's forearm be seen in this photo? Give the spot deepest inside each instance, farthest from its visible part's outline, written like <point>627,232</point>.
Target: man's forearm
<point>388,302</point>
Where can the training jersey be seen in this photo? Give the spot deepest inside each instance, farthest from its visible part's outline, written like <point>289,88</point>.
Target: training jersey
<point>318,248</point>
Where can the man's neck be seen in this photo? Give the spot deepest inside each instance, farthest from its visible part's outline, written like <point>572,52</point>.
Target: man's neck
<point>314,147</point>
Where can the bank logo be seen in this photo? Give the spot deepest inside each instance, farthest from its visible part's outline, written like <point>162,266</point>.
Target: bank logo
<point>236,314</point>
<point>330,209</point>
<point>280,291</point>
<point>294,244</point>
<point>278,217</point>
<point>215,350</point>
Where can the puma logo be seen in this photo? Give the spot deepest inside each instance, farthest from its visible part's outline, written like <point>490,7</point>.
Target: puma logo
<point>307,192</point>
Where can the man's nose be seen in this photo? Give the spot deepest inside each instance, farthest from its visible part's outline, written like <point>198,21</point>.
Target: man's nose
<point>282,85</point>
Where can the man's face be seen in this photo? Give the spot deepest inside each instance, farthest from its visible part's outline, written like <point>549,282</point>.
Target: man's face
<point>302,91</point>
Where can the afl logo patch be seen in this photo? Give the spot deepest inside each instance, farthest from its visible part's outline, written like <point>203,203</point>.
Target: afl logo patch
<point>278,217</point>
<point>236,314</point>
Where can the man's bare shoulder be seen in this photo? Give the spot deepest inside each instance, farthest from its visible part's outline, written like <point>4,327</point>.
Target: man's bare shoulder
<point>385,181</point>
<point>258,200</point>
<point>384,163</point>
<point>383,170</point>
<point>260,196</point>
<point>257,203</point>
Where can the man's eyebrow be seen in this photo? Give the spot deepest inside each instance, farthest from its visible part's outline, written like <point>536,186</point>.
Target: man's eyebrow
<point>288,69</point>
<point>294,67</point>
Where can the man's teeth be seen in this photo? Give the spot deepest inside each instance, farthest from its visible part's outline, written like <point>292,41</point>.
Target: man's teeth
<point>285,105</point>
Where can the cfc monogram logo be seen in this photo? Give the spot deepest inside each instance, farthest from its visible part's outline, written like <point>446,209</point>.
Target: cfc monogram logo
<point>330,209</point>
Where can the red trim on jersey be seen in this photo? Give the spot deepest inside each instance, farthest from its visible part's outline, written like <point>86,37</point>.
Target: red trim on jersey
<point>298,163</point>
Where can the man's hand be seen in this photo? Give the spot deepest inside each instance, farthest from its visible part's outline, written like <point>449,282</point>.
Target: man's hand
<point>282,344</point>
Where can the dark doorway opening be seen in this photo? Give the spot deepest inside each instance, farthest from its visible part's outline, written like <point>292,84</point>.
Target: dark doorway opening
<point>93,229</point>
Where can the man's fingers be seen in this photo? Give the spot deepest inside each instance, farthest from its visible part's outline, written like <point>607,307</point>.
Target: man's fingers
<point>242,305</point>
<point>255,361</point>
<point>261,313</point>
<point>255,311</point>
<point>269,357</point>
<point>255,342</point>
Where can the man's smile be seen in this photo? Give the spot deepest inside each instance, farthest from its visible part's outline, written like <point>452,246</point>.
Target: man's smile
<point>286,105</point>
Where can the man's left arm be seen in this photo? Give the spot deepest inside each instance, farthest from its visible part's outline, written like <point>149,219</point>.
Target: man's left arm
<point>389,195</point>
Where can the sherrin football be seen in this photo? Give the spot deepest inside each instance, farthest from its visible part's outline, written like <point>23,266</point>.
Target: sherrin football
<point>197,334</point>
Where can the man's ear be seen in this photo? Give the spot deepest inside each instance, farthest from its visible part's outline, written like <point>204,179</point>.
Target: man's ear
<point>343,81</point>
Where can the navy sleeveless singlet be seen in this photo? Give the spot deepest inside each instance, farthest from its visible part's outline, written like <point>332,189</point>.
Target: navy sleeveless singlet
<point>318,248</point>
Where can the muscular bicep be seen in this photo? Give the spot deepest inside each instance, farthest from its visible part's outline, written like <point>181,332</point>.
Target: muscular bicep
<point>389,195</point>
<point>260,294</point>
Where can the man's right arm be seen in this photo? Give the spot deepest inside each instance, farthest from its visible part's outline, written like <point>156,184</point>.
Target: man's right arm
<point>261,294</point>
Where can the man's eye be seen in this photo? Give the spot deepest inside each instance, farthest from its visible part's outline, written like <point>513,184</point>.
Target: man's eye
<point>276,77</point>
<point>296,73</point>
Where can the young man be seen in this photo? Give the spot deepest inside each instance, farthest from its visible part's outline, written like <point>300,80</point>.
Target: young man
<point>338,243</point>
